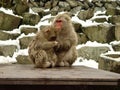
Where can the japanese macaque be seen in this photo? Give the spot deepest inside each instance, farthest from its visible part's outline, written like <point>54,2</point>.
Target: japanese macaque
<point>41,51</point>
<point>67,40</point>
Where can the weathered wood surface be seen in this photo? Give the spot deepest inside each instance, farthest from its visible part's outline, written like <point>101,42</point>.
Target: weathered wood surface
<point>16,74</point>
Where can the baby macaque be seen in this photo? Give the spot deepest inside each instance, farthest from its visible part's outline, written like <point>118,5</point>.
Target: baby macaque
<point>67,40</point>
<point>41,51</point>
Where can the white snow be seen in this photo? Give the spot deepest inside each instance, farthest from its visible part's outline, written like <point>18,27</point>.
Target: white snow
<point>8,11</point>
<point>110,56</point>
<point>85,62</point>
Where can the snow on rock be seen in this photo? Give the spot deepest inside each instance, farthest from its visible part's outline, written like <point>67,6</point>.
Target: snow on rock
<point>84,62</point>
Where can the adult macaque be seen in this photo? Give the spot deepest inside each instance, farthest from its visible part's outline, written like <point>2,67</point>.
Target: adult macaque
<point>41,51</point>
<point>67,40</point>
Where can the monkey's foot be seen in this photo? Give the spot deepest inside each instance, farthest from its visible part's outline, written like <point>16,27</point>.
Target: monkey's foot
<point>60,64</point>
<point>66,64</point>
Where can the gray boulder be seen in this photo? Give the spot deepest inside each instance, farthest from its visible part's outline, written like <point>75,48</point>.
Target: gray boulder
<point>92,52</point>
<point>30,19</point>
<point>64,5</point>
<point>86,14</point>
<point>55,10</point>
<point>7,50</point>
<point>24,42</point>
<point>77,26</point>
<point>72,3</point>
<point>21,7</point>
<point>101,33</point>
<point>9,22</point>
<point>7,36</point>
<point>110,62</point>
<point>38,10</point>
<point>23,59</point>
<point>117,31</point>
<point>82,38</point>
<point>116,46</point>
<point>100,20</point>
<point>27,30</point>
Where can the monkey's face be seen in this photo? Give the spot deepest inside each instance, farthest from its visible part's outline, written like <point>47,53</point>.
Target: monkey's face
<point>61,21</point>
<point>50,34</point>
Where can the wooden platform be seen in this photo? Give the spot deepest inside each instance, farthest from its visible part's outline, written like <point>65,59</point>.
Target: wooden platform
<point>16,75</point>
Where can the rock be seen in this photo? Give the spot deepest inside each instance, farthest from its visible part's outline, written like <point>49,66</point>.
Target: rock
<point>78,27</point>
<point>114,19</point>
<point>9,22</point>
<point>7,50</point>
<point>116,47</point>
<point>98,4</point>
<point>54,10</point>
<point>14,35</point>
<point>48,5</point>
<point>86,14</point>
<point>112,10</point>
<point>75,10</point>
<point>102,33</point>
<point>27,30</point>
<point>72,3</point>
<point>6,3</point>
<point>4,35</point>
<point>23,59</point>
<point>54,3</point>
<point>110,62</point>
<point>82,38</point>
<point>30,19</point>
<point>117,31</point>
<point>38,10</point>
<point>7,36</point>
<point>24,42</point>
<point>85,6</point>
<point>100,20</point>
<point>64,5</point>
<point>21,7</point>
<point>92,52</point>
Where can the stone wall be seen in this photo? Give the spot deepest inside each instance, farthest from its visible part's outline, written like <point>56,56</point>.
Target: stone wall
<point>106,31</point>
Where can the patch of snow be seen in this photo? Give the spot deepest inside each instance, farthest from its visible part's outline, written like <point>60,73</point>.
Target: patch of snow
<point>89,63</point>
<point>115,42</point>
<point>46,10</point>
<point>13,31</point>
<point>4,60</point>
<point>32,12</point>
<point>21,52</point>
<point>10,42</point>
<point>29,35</point>
<point>95,44</point>
<point>8,11</point>
<point>111,58</point>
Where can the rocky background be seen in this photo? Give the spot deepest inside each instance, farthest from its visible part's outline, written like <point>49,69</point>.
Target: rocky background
<point>106,31</point>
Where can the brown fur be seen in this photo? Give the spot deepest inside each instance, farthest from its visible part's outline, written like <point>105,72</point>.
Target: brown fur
<point>67,41</point>
<point>41,51</point>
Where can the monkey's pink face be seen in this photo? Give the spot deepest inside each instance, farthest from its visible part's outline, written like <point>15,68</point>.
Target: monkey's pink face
<point>58,24</point>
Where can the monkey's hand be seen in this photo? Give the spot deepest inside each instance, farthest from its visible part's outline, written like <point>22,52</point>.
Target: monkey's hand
<point>66,45</point>
<point>62,46</point>
<point>55,43</point>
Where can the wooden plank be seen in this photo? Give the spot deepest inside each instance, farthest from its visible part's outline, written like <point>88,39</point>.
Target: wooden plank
<point>16,74</point>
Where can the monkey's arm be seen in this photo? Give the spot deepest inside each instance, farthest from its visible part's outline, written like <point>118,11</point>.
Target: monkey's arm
<point>46,45</point>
